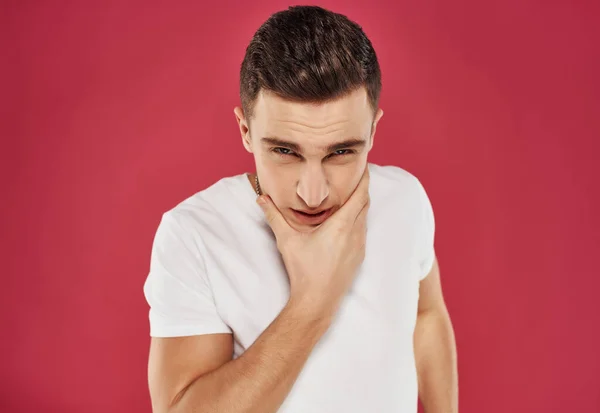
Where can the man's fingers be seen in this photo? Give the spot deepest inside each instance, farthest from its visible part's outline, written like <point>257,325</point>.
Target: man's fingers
<point>354,205</point>
<point>361,218</point>
<point>276,221</point>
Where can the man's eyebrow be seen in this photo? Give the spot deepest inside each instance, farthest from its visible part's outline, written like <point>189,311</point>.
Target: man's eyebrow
<point>280,142</point>
<point>347,144</point>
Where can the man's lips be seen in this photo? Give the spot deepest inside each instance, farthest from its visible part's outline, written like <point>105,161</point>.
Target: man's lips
<point>312,217</point>
<point>311,212</point>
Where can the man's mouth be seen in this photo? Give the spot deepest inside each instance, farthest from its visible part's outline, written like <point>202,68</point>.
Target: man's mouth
<point>312,218</point>
<point>311,214</point>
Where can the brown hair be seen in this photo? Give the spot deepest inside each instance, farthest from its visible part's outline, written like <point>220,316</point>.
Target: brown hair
<point>309,54</point>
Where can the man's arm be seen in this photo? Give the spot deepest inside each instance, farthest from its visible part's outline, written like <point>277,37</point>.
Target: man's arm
<point>320,265</point>
<point>435,348</point>
<point>196,374</point>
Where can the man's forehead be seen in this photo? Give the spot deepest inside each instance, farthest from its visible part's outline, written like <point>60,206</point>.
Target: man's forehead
<point>351,108</point>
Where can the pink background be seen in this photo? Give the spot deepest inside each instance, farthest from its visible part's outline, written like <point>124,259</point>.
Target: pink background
<point>112,113</point>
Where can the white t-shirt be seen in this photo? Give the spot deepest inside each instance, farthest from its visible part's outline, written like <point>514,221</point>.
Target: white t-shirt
<point>215,268</point>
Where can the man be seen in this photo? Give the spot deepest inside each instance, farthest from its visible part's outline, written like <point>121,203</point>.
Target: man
<point>307,300</point>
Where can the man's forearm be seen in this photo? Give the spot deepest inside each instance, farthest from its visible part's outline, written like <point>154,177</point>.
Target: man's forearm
<point>435,353</point>
<point>261,378</point>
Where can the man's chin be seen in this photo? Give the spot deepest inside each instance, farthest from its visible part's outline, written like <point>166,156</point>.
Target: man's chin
<point>305,229</point>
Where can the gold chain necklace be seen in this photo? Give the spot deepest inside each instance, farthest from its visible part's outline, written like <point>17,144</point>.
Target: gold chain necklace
<point>257,185</point>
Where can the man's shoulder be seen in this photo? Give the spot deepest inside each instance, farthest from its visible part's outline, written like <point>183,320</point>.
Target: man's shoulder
<point>391,179</point>
<point>399,203</point>
<point>210,205</point>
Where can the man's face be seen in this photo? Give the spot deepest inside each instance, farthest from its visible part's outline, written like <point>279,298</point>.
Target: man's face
<point>309,157</point>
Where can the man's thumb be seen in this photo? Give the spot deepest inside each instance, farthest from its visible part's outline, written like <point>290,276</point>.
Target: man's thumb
<point>272,214</point>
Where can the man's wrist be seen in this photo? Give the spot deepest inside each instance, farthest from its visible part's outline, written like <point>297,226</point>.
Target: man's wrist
<point>310,314</point>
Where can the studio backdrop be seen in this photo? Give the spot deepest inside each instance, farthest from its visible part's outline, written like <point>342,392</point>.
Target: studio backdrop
<point>114,112</point>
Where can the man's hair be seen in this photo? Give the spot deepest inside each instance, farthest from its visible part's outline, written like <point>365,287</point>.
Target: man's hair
<point>309,54</point>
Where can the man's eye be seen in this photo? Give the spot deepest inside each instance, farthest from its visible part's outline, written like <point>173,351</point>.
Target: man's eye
<point>283,151</point>
<point>341,152</point>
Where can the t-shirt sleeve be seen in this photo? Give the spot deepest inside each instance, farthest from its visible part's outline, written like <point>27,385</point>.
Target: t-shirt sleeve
<point>426,236</point>
<point>177,287</point>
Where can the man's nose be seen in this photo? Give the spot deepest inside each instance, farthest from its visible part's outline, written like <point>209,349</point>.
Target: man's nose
<point>313,187</point>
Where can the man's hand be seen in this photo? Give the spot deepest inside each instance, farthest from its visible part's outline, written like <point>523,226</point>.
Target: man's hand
<point>321,265</point>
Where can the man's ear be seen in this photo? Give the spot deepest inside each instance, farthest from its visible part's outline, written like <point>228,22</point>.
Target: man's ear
<point>244,127</point>
<point>378,116</point>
